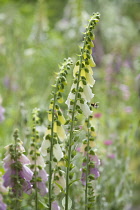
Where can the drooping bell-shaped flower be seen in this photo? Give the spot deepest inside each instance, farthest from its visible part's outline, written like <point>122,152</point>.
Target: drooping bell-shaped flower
<point>41,184</point>
<point>55,206</point>
<point>17,175</point>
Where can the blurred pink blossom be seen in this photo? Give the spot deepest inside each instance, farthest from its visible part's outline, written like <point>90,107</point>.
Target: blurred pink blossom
<point>2,110</point>
<point>78,149</point>
<point>98,115</point>
<point>108,142</point>
<point>80,127</point>
<point>125,91</point>
<point>111,156</point>
<point>128,109</point>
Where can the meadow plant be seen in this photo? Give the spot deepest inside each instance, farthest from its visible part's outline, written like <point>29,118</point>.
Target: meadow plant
<point>79,103</point>
<point>37,163</point>
<point>54,161</point>
<point>18,175</point>
<point>3,190</point>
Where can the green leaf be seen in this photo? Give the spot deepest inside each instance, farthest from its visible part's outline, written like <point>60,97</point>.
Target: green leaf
<point>43,205</point>
<point>73,181</point>
<point>61,188</point>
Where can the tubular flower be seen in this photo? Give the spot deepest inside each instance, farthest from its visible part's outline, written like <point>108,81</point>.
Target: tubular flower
<point>42,178</point>
<point>55,206</point>
<point>17,175</point>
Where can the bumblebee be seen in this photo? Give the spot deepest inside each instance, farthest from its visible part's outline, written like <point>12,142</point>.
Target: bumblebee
<point>95,105</point>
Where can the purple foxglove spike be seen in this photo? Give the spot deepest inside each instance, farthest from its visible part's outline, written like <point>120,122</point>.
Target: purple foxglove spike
<point>95,172</point>
<point>26,173</point>
<point>55,206</point>
<point>42,173</point>
<point>42,187</point>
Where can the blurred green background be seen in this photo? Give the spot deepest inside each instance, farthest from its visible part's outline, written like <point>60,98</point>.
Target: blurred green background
<point>35,36</point>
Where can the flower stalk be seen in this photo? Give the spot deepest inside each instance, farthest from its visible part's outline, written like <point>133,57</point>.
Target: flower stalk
<point>17,176</point>
<point>55,132</point>
<point>81,93</point>
<point>37,162</point>
<point>90,163</point>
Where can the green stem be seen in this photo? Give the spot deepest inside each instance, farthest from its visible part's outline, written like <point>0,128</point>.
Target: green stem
<point>70,139</point>
<point>17,199</point>
<point>36,194</point>
<point>51,154</point>
<point>87,173</point>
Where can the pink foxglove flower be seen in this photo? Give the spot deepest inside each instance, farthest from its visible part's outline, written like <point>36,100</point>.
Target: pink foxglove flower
<point>41,184</point>
<point>55,206</point>
<point>17,175</point>
<point>39,180</point>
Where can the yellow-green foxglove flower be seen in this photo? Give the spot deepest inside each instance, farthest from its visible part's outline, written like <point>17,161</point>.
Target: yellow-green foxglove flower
<point>61,133</point>
<point>61,119</point>
<point>91,62</point>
